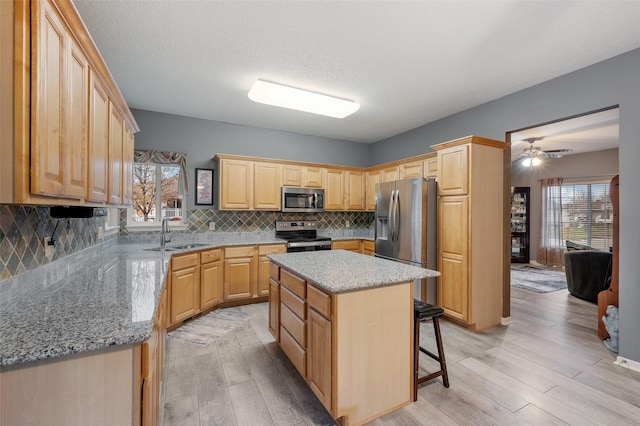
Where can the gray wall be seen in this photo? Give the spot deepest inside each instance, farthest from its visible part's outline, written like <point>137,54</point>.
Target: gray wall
<point>612,82</point>
<point>572,166</point>
<point>202,139</point>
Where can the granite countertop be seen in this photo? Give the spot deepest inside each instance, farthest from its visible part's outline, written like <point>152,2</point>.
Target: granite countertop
<point>339,271</point>
<point>101,297</point>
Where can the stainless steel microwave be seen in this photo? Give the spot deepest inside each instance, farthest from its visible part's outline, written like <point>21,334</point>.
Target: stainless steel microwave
<point>306,200</point>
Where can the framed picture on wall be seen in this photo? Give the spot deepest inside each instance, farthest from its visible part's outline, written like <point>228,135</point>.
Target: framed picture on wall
<point>204,187</point>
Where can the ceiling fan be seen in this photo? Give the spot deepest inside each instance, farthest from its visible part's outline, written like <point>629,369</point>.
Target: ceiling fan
<point>532,155</point>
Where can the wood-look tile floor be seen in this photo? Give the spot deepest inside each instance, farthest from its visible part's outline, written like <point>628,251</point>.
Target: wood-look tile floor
<point>547,368</point>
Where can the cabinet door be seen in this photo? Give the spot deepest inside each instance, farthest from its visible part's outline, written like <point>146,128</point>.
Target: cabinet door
<point>334,190</point>
<point>127,166</point>
<point>453,170</point>
<point>430,167</point>
<point>185,286</point>
<point>390,174</point>
<point>77,125</point>
<point>238,276</point>
<point>319,356</point>
<point>264,265</point>
<point>355,190</point>
<point>351,245</point>
<point>411,170</point>
<point>236,184</point>
<point>291,175</point>
<point>266,186</point>
<point>274,309</point>
<point>210,284</point>
<point>115,155</point>
<point>312,177</point>
<point>372,179</point>
<point>98,141</point>
<point>49,83</point>
<point>453,243</point>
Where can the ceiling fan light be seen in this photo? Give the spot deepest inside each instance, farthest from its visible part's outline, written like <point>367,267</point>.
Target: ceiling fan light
<point>531,162</point>
<point>535,161</point>
<point>289,97</point>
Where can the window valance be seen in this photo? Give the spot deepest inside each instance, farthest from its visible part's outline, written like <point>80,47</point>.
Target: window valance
<point>163,158</point>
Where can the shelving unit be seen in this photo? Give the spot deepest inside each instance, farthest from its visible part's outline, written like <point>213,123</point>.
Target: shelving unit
<point>520,224</point>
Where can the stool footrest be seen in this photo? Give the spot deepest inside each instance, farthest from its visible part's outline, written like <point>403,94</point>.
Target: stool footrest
<point>431,354</point>
<point>429,377</point>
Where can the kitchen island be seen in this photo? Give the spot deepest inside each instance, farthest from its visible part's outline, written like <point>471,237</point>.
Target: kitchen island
<point>345,321</point>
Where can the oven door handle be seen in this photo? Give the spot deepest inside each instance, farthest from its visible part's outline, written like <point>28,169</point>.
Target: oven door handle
<point>310,244</point>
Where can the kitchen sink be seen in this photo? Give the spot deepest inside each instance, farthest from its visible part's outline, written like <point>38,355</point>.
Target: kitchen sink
<point>174,247</point>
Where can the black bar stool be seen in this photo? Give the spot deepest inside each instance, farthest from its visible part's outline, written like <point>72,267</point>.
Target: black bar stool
<point>422,312</point>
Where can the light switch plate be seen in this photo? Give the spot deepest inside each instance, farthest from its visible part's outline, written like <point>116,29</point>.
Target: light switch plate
<point>212,226</point>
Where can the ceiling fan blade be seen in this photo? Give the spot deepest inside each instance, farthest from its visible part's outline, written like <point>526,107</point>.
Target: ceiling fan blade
<point>550,155</point>
<point>559,150</point>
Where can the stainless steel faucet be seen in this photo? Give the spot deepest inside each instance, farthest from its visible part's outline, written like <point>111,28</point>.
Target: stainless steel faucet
<point>165,234</point>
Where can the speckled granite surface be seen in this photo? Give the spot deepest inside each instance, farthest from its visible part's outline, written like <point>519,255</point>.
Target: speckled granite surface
<point>108,295</point>
<point>341,271</point>
<point>101,297</point>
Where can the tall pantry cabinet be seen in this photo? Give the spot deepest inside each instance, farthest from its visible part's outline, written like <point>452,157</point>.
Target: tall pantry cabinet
<point>470,230</point>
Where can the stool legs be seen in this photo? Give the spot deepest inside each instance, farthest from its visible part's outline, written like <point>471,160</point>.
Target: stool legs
<point>440,357</point>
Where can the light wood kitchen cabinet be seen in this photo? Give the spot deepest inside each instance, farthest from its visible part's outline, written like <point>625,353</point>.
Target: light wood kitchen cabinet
<point>368,247</point>
<point>264,265</point>
<point>355,182</point>
<point>98,142</point>
<point>430,167</point>
<point>373,177</point>
<point>59,125</point>
<point>334,189</point>
<point>471,241</point>
<point>53,71</point>
<point>410,170</point>
<point>210,278</point>
<point>453,164</point>
<point>184,287</point>
<point>240,273</point>
<point>389,174</point>
<point>351,245</point>
<point>291,175</point>
<point>319,345</point>
<point>236,184</point>
<point>152,366</point>
<point>115,155</point>
<point>266,186</point>
<point>312,177</point>
<point>274,308</point>
<point>127,166</point>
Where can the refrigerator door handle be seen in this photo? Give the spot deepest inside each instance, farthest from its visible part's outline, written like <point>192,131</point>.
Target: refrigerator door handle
<point>390,225</point>
<point>396,215</point>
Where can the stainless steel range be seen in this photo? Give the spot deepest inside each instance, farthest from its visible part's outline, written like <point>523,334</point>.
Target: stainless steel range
<point>302,236</point>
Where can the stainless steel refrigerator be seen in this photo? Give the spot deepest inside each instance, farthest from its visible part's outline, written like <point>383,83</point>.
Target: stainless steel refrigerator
<point>406,226</point>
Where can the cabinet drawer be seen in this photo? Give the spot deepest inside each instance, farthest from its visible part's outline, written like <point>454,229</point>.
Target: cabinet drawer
<point>210,255</point>
<point>294,325</point>
<point>294,351</point>
<point>272,249</point>
<point>244,251</point>
<point>319,301</point>
<point>274,271</point>
<point>293,283</point>
<point>293,302</point>
<point>184,261</point>
<point>353,245</point>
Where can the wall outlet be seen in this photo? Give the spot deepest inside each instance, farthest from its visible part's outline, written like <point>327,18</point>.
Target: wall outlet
<point>100,232</point>
<point>49,248</point>
<point>347,223</point>
<point>212,226</point>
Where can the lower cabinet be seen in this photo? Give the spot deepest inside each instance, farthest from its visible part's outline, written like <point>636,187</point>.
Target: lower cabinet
<point>319,355</point>
<point>240,270</point>
<point>184,287</point>
<point>368,247</point>
<point>264,264</point>
<point>152,366</point>
<point>210,278</point>
<point>351,245</point>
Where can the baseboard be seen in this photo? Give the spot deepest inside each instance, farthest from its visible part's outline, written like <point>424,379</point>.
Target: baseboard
<point>627,363</point>
<point>506,321</point>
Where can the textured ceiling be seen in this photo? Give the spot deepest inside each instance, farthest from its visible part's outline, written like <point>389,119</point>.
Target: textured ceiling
<point>406,63</point>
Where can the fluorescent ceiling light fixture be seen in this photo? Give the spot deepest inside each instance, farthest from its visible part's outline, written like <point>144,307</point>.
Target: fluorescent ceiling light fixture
<point>268,93</point>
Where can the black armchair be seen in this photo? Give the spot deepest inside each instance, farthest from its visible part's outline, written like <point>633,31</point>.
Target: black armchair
<point>588,273</point>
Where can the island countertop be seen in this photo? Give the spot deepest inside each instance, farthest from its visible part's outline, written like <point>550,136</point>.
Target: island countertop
<point>339,271</point>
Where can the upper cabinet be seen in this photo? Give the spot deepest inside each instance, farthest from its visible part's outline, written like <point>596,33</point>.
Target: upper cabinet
<point>266,186</point>
<point>249,185</point>
<point>334,190</point>
<point>70,130</point>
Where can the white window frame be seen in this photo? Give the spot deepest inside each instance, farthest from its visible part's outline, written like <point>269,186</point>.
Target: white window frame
<point>157,224</point>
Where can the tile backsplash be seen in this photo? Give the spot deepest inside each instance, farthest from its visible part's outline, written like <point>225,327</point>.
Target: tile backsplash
<point>23,228</point>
